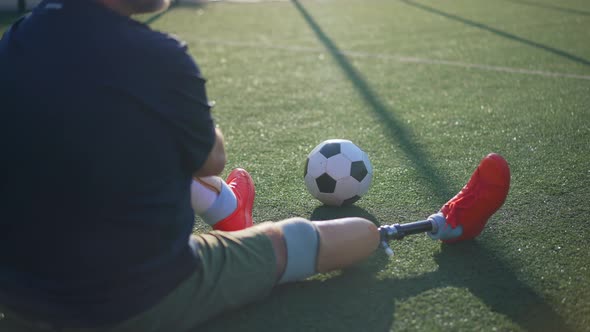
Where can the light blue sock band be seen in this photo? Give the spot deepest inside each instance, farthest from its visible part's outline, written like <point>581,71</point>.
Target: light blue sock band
<point>443,231</point>
<point>302,242</point>
<point>225,204</point>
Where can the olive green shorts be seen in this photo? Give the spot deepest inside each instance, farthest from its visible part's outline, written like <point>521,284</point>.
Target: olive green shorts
<point>236,268</point>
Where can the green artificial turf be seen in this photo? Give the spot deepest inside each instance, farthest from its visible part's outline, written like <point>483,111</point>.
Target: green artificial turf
<point>427,88</point>
<point>7,18</point>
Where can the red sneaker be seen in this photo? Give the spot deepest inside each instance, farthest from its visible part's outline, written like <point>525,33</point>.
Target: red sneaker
<point>242,185</point>
<point>481,197</point>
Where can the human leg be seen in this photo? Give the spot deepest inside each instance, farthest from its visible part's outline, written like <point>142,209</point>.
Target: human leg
<point>243,266</point>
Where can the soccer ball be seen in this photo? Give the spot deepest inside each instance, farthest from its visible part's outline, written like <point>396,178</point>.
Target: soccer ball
<point>337,172</point>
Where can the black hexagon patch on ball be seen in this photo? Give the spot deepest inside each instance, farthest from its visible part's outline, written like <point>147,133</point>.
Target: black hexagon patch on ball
<point>358,170</point>
<point>326,184</point>
<point>330,149</point>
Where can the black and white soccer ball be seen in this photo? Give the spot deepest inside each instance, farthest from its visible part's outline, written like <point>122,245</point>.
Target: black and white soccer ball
<point>337,172</point>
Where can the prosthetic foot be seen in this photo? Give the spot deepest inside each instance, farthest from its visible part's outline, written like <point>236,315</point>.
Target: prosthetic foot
<point>479,199</point>
<point>464,216</point>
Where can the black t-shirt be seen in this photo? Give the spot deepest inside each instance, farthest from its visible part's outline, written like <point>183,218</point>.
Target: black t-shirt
<point>102,123</point>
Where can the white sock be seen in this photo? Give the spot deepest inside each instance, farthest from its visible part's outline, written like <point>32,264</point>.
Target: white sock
<point>212,199</point>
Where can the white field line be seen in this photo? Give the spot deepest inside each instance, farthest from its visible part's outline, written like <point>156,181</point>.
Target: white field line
<point>397,58</point>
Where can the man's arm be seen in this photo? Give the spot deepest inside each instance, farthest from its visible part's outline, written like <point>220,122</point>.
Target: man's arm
<point>216,160</point>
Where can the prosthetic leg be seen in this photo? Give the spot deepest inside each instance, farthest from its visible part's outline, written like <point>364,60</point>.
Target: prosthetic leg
<point>464,216</point>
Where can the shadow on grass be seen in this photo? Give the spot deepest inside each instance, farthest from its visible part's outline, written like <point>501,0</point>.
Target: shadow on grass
<point>356,301</point>
<point>500,33</point>
<point>327,212</point>
<point>399,133</point>
<point>462,265</point>
<point>552,7</point>
<point>469,264</point>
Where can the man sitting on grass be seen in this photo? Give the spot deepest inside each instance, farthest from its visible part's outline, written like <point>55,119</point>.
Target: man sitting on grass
<point>109,150</point>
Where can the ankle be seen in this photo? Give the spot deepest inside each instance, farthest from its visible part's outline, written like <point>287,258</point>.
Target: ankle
<point>224,206</point>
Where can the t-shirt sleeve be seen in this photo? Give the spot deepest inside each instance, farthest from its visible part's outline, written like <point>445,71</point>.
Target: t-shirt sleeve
<point>175,90</point>
<point>190,116</point>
